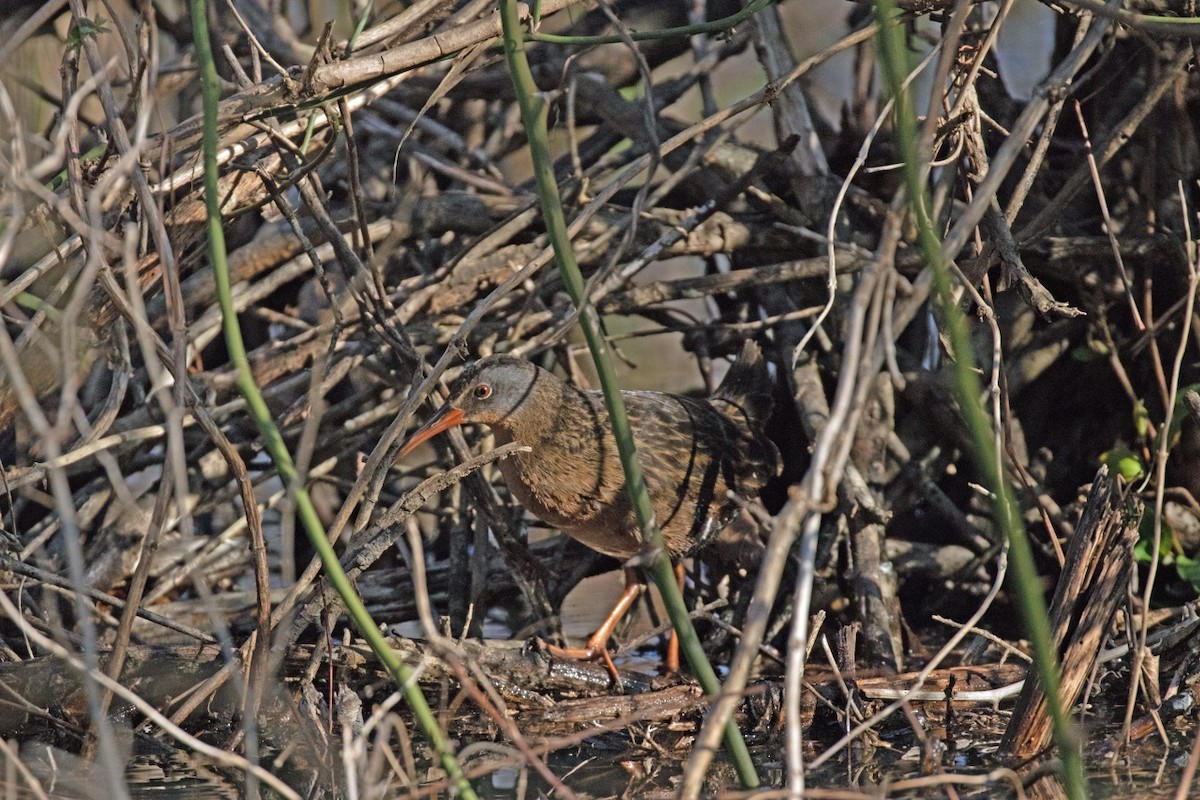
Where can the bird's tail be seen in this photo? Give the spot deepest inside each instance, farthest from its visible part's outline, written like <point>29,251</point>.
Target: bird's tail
<point>748,385</point>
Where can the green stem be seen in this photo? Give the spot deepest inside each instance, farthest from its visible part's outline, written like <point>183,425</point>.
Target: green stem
<point>273,440</point>
<point>533,115</point>
<point>1023,573</point>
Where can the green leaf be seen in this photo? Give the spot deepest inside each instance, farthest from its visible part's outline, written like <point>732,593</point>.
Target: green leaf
<point>1180,413</point>
<point>1189,570</point>
<point>1124,462</point>
<point>1141,419</point>
<point>85,28</point>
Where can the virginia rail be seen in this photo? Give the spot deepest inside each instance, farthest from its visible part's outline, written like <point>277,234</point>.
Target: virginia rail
<point>701,459</point>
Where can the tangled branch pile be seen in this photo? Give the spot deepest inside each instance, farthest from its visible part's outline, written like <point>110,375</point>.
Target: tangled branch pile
<point>379,210</point>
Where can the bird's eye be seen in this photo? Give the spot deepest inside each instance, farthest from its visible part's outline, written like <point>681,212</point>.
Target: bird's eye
<point>483,391</point>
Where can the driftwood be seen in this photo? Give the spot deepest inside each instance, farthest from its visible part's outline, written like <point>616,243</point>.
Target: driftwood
<point>1099,563</point>
<point>550,699</point>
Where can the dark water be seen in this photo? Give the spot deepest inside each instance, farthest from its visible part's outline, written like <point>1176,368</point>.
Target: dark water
<point>594,771</point>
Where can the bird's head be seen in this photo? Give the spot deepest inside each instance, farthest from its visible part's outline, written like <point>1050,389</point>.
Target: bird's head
<point>493,391</point>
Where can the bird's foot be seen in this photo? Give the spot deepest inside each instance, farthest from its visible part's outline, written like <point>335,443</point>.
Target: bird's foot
<point>596,648</point>
<point>593,651</point>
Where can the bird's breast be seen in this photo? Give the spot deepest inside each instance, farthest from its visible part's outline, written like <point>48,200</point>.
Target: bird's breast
<point>584,498</point>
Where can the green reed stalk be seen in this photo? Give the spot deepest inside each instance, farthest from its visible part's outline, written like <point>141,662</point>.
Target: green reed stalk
<point>1025,582</point>
<point>533,115</point>
<point>273,440</point>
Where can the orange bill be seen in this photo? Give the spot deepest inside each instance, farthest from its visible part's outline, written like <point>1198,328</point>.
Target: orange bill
<point>445,419</point>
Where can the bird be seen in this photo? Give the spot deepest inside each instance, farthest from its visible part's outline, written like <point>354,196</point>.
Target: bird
<point>701,458</point>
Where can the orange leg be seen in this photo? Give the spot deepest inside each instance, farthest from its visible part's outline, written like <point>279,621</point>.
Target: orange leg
<point>671,662</point>
<point>597,644</point>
